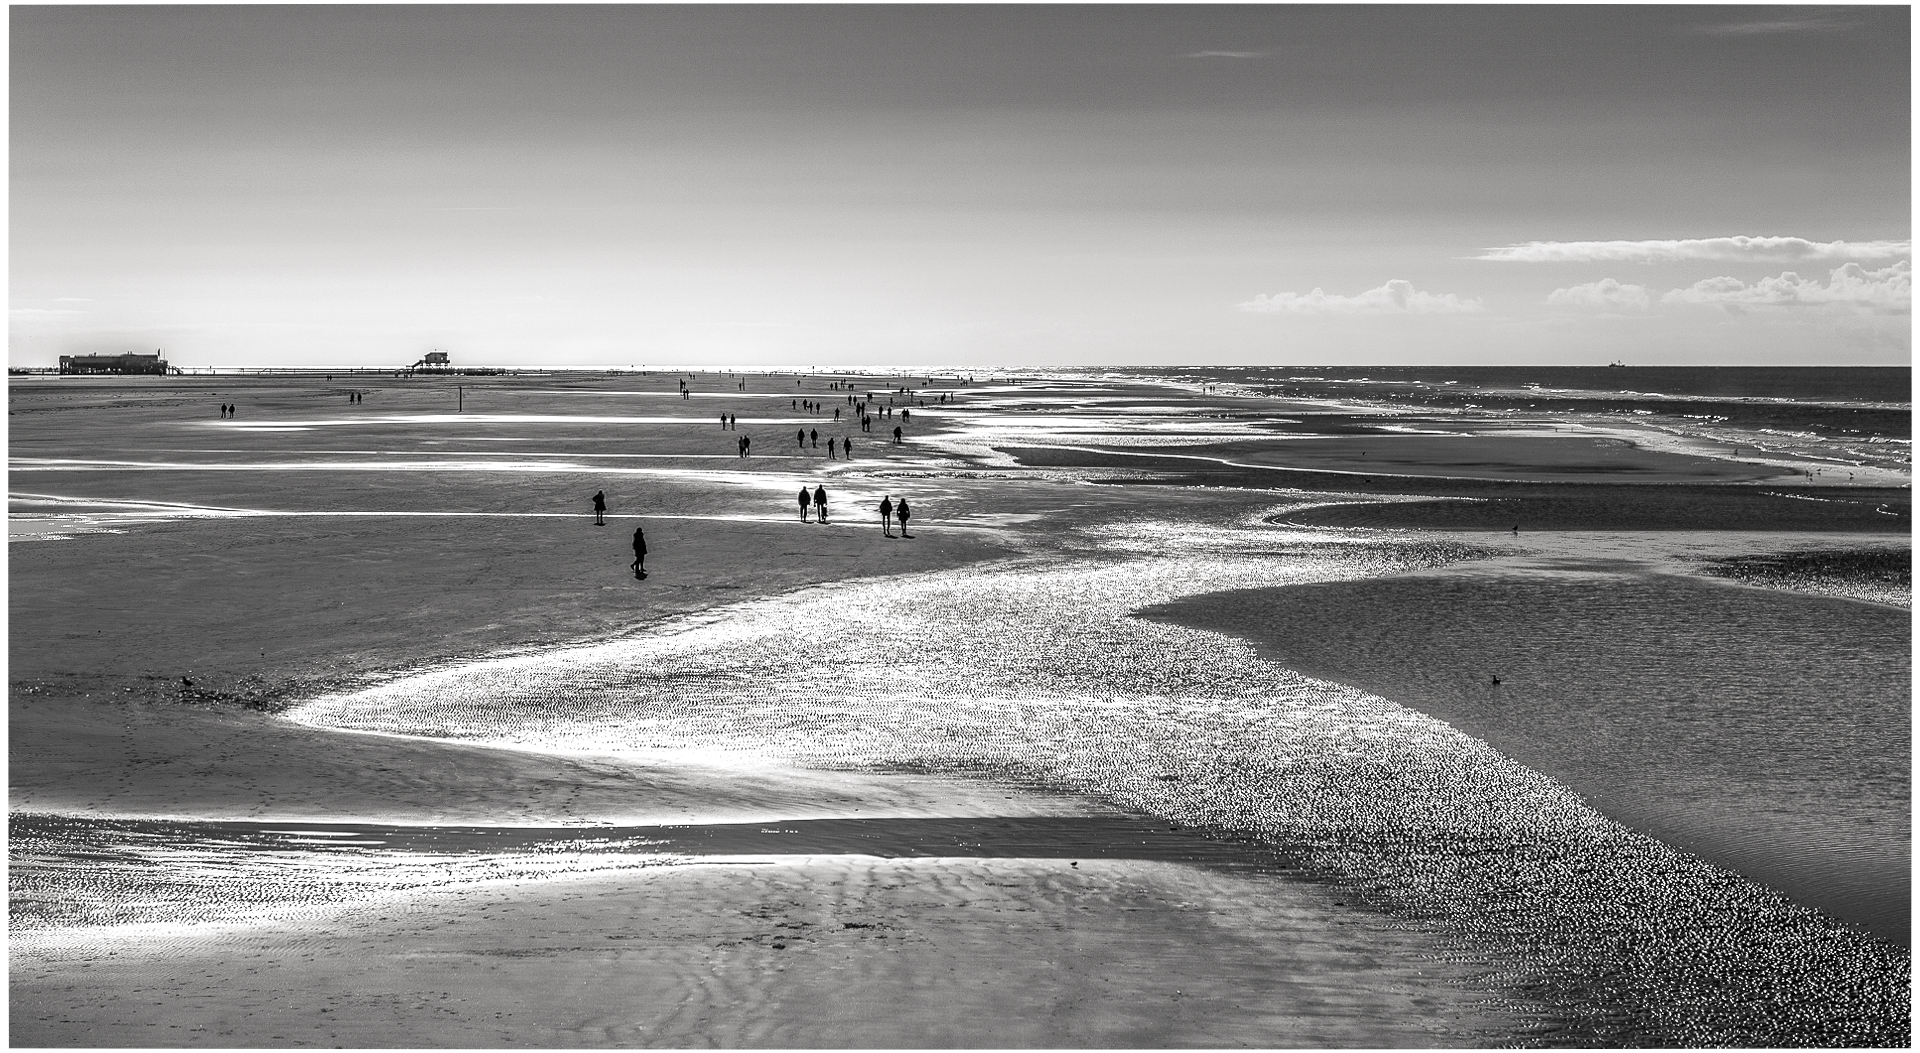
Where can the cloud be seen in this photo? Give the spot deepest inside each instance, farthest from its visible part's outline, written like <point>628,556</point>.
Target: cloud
<point>1226,54</point>
<point>1889,289</point>
<point>1396,297</point>
<point>1734,248</point>
<point>1603,295</point>
<point>1807,24</point>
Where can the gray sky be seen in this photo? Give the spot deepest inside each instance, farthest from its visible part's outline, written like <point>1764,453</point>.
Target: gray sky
<point>966,186</point>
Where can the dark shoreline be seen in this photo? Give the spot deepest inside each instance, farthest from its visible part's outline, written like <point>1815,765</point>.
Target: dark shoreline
<point>1466,504</point>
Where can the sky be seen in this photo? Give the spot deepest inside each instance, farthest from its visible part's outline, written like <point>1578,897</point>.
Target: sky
<point>922,186</point>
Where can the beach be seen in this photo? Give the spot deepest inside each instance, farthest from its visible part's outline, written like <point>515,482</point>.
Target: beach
<point>421,762</point>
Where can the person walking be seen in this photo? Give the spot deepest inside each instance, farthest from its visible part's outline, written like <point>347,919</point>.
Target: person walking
<point>886,516</point>
<point>746,446</point>
<point>639,553</point>
<point>846,447</point>
<point>830,441</point>
<point>903,512</point>
<point>896,435</point>
<point>820,503</point>
<point>801,438</point>
<point>806,502</point>
<point>816,438</point>
<point>599,508</point>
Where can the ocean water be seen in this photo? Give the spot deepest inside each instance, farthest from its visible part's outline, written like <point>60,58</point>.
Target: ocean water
<point>1846,384</point>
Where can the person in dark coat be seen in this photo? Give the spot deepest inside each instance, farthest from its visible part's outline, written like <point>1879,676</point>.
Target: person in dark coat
<point>896,435</point>
<point>639,553</point>
<point>903,512</point>
<point>820,502</point>
<point>886,516</point>
<point>806,502</point>
<point>599,508</point>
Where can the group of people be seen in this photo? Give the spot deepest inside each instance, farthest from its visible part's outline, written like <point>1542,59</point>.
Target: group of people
<point>227,410</point>
<point>845,445</point>
<point>814,503</point>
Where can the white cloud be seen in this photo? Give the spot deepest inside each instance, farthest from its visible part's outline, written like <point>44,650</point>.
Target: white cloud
<point>1226,54</point>
<point>1887,289</point>
<point>1396,297</point>
<point>1603,295</point>
<point>1734,248</point>
<point>1813,24</point>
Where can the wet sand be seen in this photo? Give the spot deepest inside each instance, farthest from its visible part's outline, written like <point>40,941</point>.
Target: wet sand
<point>473,540</point>
<point>239,574</point>
<point>1764,732</point>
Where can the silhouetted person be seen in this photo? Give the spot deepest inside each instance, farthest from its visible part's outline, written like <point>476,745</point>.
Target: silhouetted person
<point>830,441</point>
<point>733,421</point>
<point>806,502</point>
<point>723,420</point>
<point>903,512</point>
<point>846,447</point>
<point>906,415</point>
<point>886,516</point>
<point>896,435</point>
<point>801,438</point>
<point>820,502</point>
<point>746,446</point>
<point>639,553</point>
<point>816,438</point>
<point>599,508</point>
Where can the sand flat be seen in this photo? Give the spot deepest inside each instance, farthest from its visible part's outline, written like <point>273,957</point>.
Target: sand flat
<point>278,601</point>
<point>781,952</point>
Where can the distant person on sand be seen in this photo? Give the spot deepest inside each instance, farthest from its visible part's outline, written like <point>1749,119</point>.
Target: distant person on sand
<point>639,553</point>
<point>801,438</point>
<point>830,441</point>
<point>599,508</point>
<point>886,516</point>
<point>816,438</point>
<point>846,447</point>
<point>896,435</point>
<point>820,502</point>
<point>903,512</point>
<point>806,502</point>
<point>746,446</point>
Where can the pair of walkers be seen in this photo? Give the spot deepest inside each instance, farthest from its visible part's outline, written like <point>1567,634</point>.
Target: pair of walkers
<point>815,501</point>
<point>888,510</point>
